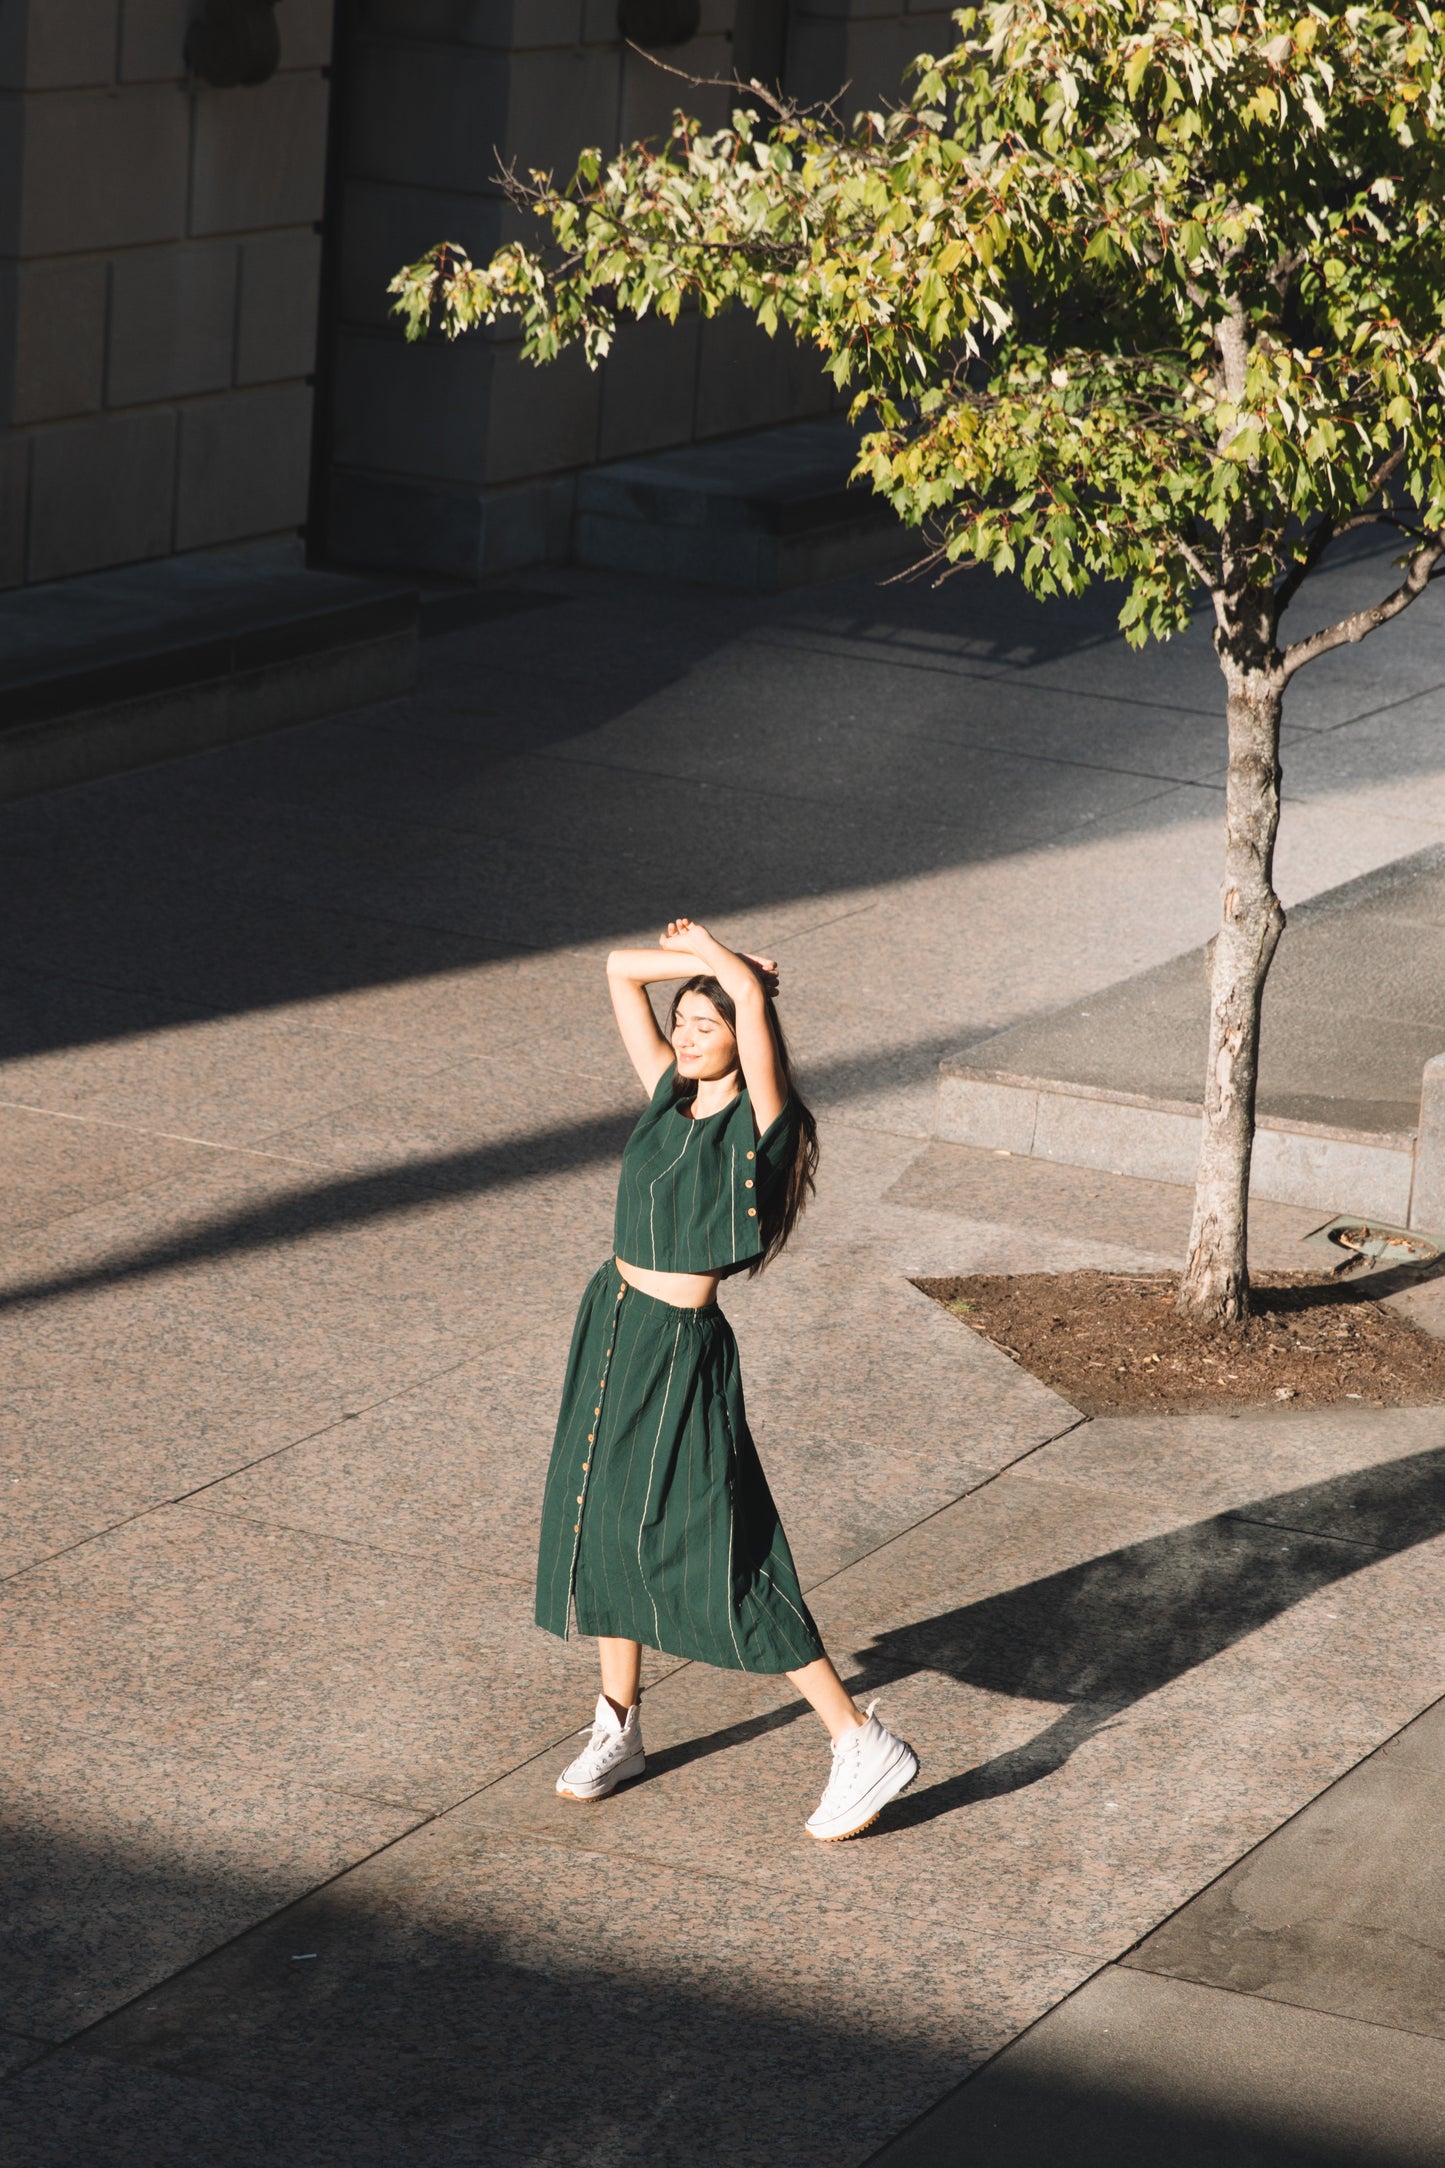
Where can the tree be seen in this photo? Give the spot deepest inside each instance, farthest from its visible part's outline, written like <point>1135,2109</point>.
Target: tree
<point>1148,290</point>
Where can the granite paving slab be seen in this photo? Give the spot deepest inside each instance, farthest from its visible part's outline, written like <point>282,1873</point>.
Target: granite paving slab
<point>16,2051</point>
<point>220,1079</point>
<point>968,1182</point>
<point>74,2105</point>
<point>405,1680</point>
<point>127,1858</point>
<point>1134,2069</point>
<point>1352,1065</point>
<point>452,1468</point>
<point>1341,1910</point>
<point>484,1985</point>
<point>56,1166</point>
<point>1097,1685</point>
<point>366,957</point>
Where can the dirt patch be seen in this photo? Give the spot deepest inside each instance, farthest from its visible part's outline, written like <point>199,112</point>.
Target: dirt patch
<point>1113,1342</point>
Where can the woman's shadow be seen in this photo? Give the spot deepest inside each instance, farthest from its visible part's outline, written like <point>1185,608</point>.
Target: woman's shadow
<point>1101,1635</point>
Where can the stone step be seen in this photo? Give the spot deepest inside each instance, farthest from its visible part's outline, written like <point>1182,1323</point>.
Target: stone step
<point>769,510</point>
<point>1351,1102</point>
<point>119,669</point>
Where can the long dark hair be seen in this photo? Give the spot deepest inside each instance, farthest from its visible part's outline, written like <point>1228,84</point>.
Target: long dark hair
<point>779,1216</point>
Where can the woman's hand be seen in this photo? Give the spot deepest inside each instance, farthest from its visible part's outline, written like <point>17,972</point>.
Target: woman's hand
<point>686,935</point>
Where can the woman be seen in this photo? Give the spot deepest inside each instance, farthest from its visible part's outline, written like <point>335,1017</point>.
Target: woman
<point>658,1528</point>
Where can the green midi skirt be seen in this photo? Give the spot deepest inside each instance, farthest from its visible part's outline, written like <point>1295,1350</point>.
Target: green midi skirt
<point>657,1522</point>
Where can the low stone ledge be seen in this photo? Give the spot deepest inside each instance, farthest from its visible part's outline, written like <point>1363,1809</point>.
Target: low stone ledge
<point>1308,1164</point>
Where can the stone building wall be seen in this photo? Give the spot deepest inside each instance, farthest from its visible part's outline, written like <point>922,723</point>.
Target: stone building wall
<point>160,254</point>
<point>158,273</point>
<point>461,457</point>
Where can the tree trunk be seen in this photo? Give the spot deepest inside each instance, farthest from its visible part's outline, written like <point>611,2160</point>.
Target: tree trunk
<point>1215,1286</point>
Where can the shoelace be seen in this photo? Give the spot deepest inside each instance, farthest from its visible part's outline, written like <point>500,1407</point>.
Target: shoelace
<point>845,1752</point>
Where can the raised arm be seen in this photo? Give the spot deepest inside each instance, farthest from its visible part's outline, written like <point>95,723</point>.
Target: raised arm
<point>739,978</point>
<point>628,972</point>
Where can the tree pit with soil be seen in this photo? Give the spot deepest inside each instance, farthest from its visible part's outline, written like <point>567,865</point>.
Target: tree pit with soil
<point>1113,1343</point>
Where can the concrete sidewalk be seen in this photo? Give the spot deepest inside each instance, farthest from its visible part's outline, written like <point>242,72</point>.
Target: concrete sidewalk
<point>1353,1014</point>
<point>312,1112</point>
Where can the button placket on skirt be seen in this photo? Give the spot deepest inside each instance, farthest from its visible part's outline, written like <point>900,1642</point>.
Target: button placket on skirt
<point>586,1470</point>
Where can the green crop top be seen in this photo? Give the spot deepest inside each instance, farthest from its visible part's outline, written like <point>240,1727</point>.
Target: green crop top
<point>692,1192</point>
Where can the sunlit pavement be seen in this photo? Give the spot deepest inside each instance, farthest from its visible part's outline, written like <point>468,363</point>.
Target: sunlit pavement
<point>311,1119</point>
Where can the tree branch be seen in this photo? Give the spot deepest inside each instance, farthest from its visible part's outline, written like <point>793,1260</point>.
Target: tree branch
<point>1301,569</point>
<point>1349,630</point>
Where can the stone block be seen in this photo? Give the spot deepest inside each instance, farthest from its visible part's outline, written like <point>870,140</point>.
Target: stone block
<point>1147,1141</point>
<point>869,57</point>
<point>58,44</point>
<point>260,155</point>
<point>501,25</point>
<point>172,323</point>
<point>385,225</point>
<point>14,506</point>
<point>558,103</point>
<point>1427,1197</point>
<point>102,171</point>
<point>845,10</point>
<point>539,420</point>
<point>244,466</point>
<point>396,522</point>
<point>280,277</point>
<point>59,318</point>
<point>747,380</point>
<point>168,724</point>
<point>414,410</point>
<point>650,95</point>
<point>101,492</point>
<point>444,116</point>
<point>1333,1174</point>
<point>993,1117</point>
<point>648,385</point>
<point>152,40</point>
<point>12,166</point>
<point>306,32</point>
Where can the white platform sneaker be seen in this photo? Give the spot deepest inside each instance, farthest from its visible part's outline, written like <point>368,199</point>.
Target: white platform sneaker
<point>612,1754</point>
<point>870,1767</point>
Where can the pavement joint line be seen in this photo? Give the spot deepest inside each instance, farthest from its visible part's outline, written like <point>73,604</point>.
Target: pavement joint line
<point>1283,2002</point>
<point>1372,1755</point>
<point>1366,715</point>
<point>326,1535</point>
<point>1320,1535</point>
<point>521,1833</point>
<point>159,1505</point>
<point>916,827</point>
<point>1016,672</point>
<point>167,1136</point>
<point>949,1503</point>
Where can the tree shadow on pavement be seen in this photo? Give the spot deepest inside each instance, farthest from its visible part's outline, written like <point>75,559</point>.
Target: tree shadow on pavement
<point>1102,1635</point>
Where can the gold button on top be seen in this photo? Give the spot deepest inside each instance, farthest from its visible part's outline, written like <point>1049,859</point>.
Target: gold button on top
<point>752,1211</point>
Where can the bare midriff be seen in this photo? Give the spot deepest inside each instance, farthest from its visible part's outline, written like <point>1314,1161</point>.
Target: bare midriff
<point>684,1290</point>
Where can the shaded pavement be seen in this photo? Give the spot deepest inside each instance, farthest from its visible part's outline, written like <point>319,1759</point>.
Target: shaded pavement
<point>311,1109</point>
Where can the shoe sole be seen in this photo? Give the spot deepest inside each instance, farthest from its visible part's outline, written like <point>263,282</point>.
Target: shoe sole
<point>625,1775</point>
<point>841,1836</point>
